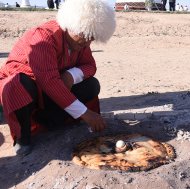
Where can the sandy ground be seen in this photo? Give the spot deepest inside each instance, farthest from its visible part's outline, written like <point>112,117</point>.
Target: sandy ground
<point>144,74</point>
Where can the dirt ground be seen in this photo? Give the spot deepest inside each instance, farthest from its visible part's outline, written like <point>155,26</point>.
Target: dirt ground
<point>145,88</point>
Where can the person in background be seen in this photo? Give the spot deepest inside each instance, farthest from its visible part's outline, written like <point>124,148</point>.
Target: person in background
<point>177,7</point>
<point>172,5</point>
<point>17,5</point>
<point>48,76</point>
<point>126,7</point>
<point>50,4</point>
<point>181,8</point>
<point>164,2</point>
<point>6,5</point>
<point>57,3</point>
<point>186,8</point>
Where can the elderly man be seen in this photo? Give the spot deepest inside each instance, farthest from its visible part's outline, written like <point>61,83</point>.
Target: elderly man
<point>51,69</point>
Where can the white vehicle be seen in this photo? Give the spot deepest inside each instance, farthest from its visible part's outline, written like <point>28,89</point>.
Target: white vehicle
<point>25,4</point>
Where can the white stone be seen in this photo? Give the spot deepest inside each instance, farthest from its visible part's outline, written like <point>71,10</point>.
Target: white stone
<point>120,144</point>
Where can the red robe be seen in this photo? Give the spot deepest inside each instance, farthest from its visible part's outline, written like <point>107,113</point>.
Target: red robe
<point>42,54</point>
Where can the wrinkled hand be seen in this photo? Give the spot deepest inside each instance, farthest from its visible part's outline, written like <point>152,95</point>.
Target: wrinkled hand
<point>67,79</point>
<point>94,120</point>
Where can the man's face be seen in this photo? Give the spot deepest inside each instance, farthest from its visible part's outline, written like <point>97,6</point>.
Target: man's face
<point>77,42</point>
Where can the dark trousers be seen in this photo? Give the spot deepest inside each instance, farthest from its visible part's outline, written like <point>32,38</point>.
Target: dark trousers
<point>52,115</point>
<point>172,6</point>
<point>50,4</point>
<point>164,2</point>
<point>57,5</point>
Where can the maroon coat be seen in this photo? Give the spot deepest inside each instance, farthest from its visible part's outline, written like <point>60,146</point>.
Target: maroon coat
<point>42,54</point>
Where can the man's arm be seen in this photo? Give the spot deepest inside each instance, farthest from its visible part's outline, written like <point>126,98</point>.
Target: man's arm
<point>42,59</point>
<point>43,62</point>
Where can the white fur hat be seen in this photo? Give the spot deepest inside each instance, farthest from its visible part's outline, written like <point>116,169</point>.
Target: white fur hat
<point>93,18</point>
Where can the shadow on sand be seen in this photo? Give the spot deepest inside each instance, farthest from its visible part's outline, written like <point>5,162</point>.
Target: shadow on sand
<point>58,145</point>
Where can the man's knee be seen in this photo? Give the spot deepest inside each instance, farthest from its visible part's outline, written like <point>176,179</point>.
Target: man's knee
<point>91,87</point>
<point>87,90</point>
<point>94,86</point>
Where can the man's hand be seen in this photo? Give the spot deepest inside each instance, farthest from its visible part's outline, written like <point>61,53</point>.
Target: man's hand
<point>67,79</point>
<point>94,120</point>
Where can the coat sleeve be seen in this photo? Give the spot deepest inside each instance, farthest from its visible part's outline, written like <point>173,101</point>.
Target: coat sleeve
<point>86,62</point>
<point>42,59</point>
